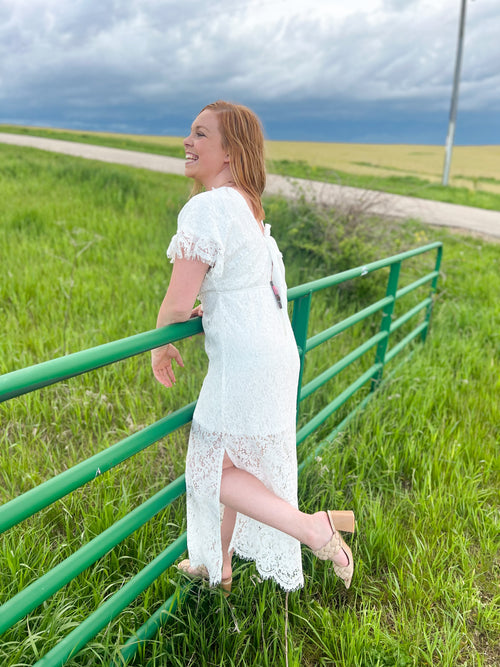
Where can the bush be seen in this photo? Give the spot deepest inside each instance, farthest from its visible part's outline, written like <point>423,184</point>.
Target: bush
<point>317,241</point>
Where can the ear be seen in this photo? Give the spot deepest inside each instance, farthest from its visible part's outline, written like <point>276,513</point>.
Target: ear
<point>227,158</point>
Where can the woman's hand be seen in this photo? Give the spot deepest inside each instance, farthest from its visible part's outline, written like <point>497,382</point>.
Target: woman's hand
<point>161,362</point>
<point>197,312</point>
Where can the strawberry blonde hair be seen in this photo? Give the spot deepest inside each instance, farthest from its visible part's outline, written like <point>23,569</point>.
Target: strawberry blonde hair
<point>243,139</point>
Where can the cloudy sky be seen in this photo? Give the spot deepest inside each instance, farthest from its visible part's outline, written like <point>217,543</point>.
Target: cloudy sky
<point>324,70</point>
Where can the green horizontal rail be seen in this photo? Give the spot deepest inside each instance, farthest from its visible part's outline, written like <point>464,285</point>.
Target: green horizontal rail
<point>334,370</point>
<point>363,314</point>
<point>403,343</point>
<point>99,619</point>
<point>161,616</point>
<point>41,589</point>
<point>411,313</point>
<point>49,372</point>
<point>328,439</point>
<point>418,283</point>
<point>336,329</point>
<point>45,494</point>
<point>333,434</point>
<point>338,402</point>
<point>337,278</point>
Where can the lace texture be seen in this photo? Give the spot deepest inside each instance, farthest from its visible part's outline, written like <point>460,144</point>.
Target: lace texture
<point>184,245</point>
<point>247,404</point>
<point>276,554</point>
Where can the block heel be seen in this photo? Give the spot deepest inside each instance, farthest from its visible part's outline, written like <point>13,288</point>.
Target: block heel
<point>343,519</point>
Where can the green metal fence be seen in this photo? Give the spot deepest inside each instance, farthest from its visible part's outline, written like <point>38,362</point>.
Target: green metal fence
<point>50,372</point>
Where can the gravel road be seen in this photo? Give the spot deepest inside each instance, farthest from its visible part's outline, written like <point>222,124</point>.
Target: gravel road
<point>464,218</point>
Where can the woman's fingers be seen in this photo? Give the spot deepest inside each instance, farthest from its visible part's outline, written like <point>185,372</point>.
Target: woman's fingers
<point>168,376</point>
<point>162,375</point>
<point>162,364</point>
<point>175,354</point>
<point>197,312</point>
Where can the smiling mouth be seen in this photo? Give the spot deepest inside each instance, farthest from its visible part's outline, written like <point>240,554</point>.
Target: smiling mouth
<point>191,157</point>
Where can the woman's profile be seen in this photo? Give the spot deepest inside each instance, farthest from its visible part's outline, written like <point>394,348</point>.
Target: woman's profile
<point>241,466</point>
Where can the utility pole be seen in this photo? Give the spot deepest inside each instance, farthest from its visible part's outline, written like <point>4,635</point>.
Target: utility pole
<point>454,96</point>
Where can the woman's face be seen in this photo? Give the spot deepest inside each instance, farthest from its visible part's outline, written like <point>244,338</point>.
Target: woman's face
<point>206,160</point>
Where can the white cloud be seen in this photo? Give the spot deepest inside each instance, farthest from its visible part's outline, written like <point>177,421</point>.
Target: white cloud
<point>109,56</point>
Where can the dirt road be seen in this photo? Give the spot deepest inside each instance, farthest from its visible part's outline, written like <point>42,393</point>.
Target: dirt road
<point>475,220</point>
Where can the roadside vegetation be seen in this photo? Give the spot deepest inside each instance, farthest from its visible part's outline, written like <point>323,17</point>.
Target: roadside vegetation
<point>401,184</point>
<point>407,170</point>
<point>84,263</point>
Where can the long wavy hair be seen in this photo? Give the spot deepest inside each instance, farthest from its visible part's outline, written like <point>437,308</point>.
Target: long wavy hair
<point>243,139</point>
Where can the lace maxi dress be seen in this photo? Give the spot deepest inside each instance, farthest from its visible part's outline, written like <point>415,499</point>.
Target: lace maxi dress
<point>247,404</point>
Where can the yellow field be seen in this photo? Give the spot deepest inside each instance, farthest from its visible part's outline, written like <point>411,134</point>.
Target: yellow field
<point>469,163</point>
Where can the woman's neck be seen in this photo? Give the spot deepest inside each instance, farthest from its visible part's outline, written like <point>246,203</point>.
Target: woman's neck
<point>224,179</point>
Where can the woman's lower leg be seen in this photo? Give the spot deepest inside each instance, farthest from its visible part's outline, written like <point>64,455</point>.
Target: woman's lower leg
<point>227,528</point>
<point>244,493</point>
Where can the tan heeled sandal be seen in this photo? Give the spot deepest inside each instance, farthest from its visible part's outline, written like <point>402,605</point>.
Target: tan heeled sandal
<point>225,584</point>
<point>343,519</point>
<point>201,572</point>
<point>337,544</point>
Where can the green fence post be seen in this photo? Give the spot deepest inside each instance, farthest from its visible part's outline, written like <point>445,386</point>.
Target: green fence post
<point>428,312</point>
<point>385,325</point>
<point>300,323</point>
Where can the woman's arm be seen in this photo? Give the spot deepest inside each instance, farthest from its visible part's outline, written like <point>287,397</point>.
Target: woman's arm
<point>177,306</point>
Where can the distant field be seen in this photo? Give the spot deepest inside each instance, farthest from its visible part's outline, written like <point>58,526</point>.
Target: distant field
<point>476,167</point>
<point>473,167</point>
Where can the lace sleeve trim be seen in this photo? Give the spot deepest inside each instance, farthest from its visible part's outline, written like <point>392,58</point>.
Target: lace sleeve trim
<point>186,246</point>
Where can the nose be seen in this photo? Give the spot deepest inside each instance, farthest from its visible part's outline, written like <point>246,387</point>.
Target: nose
<point>187,141</point>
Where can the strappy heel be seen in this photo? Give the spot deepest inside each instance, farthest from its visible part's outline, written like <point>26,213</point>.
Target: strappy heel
<point>201,572</point>
<point>337,544</point>
<point>225,584</point>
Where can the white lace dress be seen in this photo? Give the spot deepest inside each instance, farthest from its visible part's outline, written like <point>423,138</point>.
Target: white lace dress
<point>247,404</point>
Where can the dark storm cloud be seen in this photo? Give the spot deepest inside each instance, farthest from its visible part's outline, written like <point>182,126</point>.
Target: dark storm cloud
<point>149,65</point>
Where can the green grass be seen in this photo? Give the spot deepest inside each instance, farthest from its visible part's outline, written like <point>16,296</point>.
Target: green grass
<point>86,264</point>
<point>413,186</point>
<point>170,148</point>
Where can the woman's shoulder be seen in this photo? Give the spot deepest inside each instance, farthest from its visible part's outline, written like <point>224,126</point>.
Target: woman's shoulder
<point>216,203</point>
<point>212,212</point>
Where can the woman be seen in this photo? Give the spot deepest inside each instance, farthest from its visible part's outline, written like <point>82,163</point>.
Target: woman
<point>242,451</point>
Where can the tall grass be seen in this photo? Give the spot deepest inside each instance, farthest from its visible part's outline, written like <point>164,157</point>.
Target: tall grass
<point>408,170</point>
<point>83,263</point>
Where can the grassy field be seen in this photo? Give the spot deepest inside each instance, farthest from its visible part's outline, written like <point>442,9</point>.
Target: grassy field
<point>86,264</point>
<point>403,169</point>
<point>476,167</point>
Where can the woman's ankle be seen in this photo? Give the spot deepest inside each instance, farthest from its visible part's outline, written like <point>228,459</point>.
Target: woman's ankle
<point>227,571</point>
<point>227,566</point>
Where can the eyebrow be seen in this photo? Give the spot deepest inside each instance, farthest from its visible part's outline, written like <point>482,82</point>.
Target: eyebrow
<point>200,127</point>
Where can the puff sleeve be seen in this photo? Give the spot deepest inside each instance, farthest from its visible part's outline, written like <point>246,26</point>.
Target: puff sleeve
<point>201,232</point>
